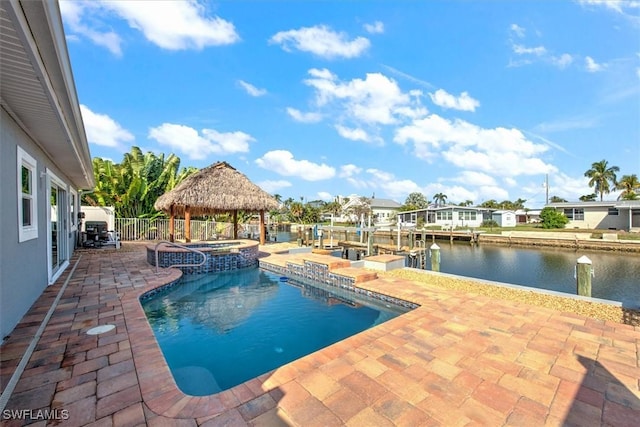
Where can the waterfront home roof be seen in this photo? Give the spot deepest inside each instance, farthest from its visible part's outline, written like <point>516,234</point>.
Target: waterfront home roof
<point>384,203</point>
<point>37,85</point>
<point>605,203</point>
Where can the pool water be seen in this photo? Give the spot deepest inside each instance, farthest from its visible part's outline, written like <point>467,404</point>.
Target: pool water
<point>220,330</point>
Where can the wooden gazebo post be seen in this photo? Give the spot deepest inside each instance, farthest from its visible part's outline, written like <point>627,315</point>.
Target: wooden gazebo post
<point>187,224</point>
<point>235,224</point>
<point>262,233</point>
<point>172,224</point>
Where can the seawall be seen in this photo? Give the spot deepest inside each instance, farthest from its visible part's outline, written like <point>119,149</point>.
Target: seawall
<point>560,240</point>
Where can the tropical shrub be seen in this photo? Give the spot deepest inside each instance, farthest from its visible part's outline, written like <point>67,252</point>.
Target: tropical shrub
<point>133,186</point>
<point>551,218</point>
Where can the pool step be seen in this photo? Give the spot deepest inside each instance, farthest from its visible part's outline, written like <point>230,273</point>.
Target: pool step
<point>323,268</point>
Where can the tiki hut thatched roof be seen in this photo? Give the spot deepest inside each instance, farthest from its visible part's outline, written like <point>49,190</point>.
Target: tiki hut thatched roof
<point>216,188</point>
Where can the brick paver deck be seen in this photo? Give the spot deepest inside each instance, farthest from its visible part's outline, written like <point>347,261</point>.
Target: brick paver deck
<point>459,359</point>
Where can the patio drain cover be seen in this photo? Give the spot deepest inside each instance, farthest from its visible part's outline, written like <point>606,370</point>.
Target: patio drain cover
<point>100,329</point>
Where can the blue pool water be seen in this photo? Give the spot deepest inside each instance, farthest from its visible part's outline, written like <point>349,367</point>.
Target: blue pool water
<point>217,331</point>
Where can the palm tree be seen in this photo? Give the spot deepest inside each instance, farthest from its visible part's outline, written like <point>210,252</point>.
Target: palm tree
<point>600,175</point>
<point>630,186</point>
<point>296,210</point>
<point>440,198</point>
<point>491,204</point>
<point>334,207</point>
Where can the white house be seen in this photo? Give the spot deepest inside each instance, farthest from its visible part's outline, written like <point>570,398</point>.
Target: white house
<point>446,216</point>
<point>504,218</point>
<point>602,215</point>
<point>384,211</point>
<point>44,155</point>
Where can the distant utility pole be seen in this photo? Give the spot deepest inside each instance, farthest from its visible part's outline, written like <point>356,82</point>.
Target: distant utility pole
<point>546,187</point>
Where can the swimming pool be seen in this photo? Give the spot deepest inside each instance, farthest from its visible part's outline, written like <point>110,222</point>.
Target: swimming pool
<point>217,331</point>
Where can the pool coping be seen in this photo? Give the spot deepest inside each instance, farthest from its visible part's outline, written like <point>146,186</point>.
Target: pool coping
<point>158,387</point>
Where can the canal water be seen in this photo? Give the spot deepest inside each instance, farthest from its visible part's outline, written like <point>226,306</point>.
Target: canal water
<point>616,275</point>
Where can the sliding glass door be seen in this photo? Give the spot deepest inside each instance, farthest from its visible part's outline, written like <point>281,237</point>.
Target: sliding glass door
<point>58,226</point>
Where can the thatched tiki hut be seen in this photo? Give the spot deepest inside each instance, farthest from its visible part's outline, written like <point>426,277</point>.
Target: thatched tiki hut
<point>218,188</point>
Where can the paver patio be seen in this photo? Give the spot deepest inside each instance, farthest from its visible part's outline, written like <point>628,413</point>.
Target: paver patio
<point>458,359</point>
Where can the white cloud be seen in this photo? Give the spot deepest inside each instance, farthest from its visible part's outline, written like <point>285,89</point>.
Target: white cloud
<point>372,100</point>
<point>562,61</point>
<point>620,6</point>
<point>251,89</point>
<point>321,41</point>
<point>283,163</point>
<point>273,186</point>
<point>323,195</point>
<point>351,173</point>
<point>517,30</point>
<point>353,134</point>
<point>172,25</point>
<point>477,179</point>
<point>510,181</point>
<point>592,66</point>
<point>392,187</point>
<point>445,100</point>
<point>498,151</point>
<point>72,12</point>
<point>197,145</point>
<point>349,170</point>
<point>375,28</point>
<point>299,116</point>
<point>103,130</point>
<point>522,50</point>
<point>528,55</point>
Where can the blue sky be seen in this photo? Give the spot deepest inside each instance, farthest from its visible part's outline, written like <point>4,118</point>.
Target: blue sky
<point>478,100</point>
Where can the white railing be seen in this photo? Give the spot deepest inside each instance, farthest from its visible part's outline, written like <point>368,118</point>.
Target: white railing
<point>132,229</point>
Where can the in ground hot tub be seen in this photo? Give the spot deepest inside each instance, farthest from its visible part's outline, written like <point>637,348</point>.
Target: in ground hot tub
<point>222,255</point>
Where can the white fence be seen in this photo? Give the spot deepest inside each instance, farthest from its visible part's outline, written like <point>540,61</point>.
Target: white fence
<point>131,229</point>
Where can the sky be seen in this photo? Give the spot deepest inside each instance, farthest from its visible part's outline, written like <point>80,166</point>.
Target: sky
<point>478,100</point>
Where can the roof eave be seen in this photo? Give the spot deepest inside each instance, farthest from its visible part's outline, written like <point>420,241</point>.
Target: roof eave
<point>38,25</point>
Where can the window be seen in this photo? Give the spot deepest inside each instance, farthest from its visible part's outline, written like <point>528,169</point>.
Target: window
<point>574,214</point>
<point>468,215</point>
<point>27,197</point>
<point>612,211</point>
<point>444,215</point>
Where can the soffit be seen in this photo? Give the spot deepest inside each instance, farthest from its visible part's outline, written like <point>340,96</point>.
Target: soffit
<point>28,95</point>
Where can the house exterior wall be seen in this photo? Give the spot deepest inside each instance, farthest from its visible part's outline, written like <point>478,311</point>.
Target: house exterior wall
<point>456,217</point>
<point>384,215</point>
<point>24,270</point>
<point>598,217</point>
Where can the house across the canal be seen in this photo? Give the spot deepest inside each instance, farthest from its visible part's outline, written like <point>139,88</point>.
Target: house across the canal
<point>605,215</point>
